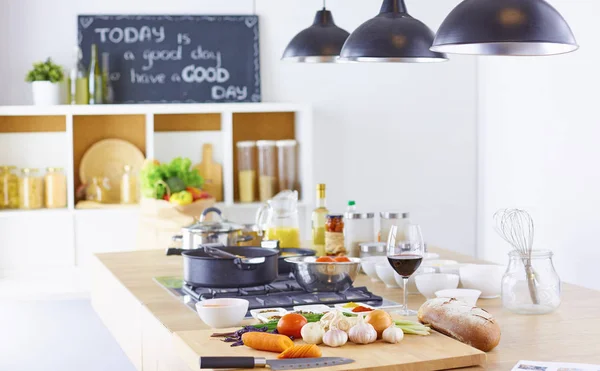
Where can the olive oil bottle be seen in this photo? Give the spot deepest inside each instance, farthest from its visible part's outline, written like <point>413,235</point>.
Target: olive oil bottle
<point>95,84</point>
<point>78,81</point>
<point>319,215</point>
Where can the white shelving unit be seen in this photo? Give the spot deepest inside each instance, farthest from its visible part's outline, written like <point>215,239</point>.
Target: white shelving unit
<point>32,136</point>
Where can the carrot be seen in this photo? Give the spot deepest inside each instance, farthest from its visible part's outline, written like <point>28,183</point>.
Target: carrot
<point>269,342</point>
<point>301,351</point>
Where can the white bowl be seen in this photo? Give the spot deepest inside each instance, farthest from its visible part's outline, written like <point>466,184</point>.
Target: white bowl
<point>386,273</point>
<point>466,295</point>
<point>368,266</point>
<point>483,277</point>
<point>438,263</point>
<point>222,313</point>
<point>411,286</point>
<point>428,284</point>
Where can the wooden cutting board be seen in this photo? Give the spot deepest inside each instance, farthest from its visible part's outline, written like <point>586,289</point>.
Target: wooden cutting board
<point>212,173</point>
<point>433,352</point>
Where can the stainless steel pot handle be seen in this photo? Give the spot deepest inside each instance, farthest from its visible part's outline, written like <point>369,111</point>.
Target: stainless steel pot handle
<point>211,210</point>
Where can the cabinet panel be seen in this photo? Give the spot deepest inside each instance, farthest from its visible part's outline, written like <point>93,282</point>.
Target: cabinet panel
<point>30,124</point>
<point>187,122</point>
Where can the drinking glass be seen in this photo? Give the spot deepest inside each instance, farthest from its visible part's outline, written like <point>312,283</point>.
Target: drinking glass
<point>405,249</point>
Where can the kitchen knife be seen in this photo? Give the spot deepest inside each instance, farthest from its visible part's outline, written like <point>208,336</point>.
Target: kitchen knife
<point>274,364</point>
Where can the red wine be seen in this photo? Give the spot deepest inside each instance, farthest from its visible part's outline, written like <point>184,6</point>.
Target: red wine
<point>405,265</point>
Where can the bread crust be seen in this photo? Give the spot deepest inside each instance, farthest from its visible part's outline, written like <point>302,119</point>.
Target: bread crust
<point>465,323</point>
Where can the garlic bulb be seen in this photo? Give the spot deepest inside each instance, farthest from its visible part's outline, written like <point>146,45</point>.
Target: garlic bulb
<point>362,332</point>
<point>335,337</point>
<point>328,319</point>
<point>312,333</point>
<point>342,323</point>
<point>393,334</point>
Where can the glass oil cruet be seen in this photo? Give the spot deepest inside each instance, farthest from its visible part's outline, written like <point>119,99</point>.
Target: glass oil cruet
<point>278,218</point>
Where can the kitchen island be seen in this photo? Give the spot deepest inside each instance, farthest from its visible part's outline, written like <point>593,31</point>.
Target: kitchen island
<point>156,330</point>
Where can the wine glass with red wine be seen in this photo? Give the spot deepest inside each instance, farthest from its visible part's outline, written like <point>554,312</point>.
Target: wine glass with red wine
<point>405,249</point>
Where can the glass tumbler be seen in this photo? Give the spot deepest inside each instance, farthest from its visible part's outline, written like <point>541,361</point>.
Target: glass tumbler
<point>287,164</point>
<point>246,152</point>
<point>531,286</point>
<point>267,169</point>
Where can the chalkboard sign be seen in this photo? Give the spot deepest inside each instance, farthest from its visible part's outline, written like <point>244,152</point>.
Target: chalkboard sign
<point>176,59</point>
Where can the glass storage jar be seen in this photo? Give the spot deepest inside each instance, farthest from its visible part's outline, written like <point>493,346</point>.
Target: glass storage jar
<point>97,190</point>
<point>246,152</point>
<point>55,188</point>
<point>334,235</point>
<point>129,186</point>
<point>267,169</point>
<point>388,219</point>
<point>358,228</point>
<point>31,192</point>
<point>9,188</point>
<point>531,286</point>
<point>286,162</point>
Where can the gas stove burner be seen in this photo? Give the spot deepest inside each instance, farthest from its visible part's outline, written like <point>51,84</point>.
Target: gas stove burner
<point>284,292</point>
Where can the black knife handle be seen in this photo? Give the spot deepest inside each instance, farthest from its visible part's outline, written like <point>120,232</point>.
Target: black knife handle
<point>174,251</point>
<point>226,362</point>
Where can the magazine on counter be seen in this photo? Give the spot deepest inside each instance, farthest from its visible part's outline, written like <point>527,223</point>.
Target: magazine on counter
<point>554,366</point>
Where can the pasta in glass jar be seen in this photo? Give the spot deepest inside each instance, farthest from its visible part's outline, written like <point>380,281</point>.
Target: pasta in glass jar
<point>31,192</point>
<point>9,188</point>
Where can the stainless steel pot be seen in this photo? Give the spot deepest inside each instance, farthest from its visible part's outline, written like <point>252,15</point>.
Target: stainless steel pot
<point>210,232</point>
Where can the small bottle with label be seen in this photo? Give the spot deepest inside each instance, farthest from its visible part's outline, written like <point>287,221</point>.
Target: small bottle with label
<point>319,216</point>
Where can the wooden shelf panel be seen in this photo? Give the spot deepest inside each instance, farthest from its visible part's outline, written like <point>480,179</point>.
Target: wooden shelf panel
<point>187,122</point>
<point>87,130</point>
<point>259,126</point>
<point>32,124</point>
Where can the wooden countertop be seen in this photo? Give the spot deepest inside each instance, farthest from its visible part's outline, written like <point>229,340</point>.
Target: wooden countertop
<point>571,334</point>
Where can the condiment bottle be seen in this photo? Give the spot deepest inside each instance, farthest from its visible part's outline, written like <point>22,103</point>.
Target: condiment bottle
<point>55,187</point>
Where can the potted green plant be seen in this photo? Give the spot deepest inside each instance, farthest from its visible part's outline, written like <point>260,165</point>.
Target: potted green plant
<point>45,79</point>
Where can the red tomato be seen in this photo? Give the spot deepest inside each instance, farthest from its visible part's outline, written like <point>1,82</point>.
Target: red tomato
<point>325,259</point>
<point>291,324</point>
<point>342,259</point>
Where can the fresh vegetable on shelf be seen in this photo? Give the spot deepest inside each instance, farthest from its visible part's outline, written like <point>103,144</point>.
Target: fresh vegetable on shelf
<point>267,342</point>
<point>198,194</point>
<point>158,179</point>
<point>181,198</point>
<point>301,351</point>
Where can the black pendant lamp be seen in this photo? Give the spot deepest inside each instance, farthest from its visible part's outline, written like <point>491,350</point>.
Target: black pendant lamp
<point>320,43</point>
<point>392,36</point>
<point>504,27</point>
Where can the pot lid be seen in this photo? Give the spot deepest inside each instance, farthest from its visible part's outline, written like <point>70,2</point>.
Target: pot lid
<point>220,226</point>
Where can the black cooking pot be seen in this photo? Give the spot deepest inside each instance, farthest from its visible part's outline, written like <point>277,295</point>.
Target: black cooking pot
<point>243,267</point>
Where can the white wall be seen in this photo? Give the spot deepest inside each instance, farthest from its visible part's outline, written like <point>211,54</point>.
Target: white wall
<point>538,140</point>
<point>391,136</point>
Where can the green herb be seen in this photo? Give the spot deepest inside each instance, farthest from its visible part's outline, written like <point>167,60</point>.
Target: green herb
<point>413,328</point>
<point>45,71</point>
<point>153,177</point>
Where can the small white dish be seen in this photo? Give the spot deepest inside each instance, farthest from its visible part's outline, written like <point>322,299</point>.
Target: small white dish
<point>222,313</point>
<point>264,315</point>
<point>368,266</point>
<point>437,263</point>
<point>428,284</point>
<point>313,308</point>
<point>341,308</point>
<point>386,273</point>
<point>465,295</point>
<point>411,286</point>
<point>486,278</point>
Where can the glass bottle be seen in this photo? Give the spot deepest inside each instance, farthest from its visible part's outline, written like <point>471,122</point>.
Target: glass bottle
<point>78,82</point>
<point>267,169</point>
<point>55,188</point>
<point>107,89</point>
<point>9,188</point>
<point>334,235</point>
<point>129,193</point>
<point>97,190</point>
<point>31,193</point>
<point>246,170</point>
<point>319,215</point>
<point>95,78</point>
<point>535,293</point>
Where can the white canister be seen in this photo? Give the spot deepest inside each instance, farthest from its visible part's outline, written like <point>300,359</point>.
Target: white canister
<point>358,228</point>
<point>388,219</point>
<point>46,93</point>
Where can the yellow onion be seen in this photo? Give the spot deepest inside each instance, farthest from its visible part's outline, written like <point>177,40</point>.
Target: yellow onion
<point>380,320</point>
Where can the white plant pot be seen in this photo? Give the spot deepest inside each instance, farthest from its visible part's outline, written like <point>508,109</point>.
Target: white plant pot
<point>46,93</point>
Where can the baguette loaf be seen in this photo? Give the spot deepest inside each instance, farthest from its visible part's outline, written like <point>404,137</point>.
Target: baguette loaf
<point>465,323</point>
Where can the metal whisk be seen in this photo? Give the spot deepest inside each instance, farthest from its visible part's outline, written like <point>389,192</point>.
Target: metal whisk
<point>516,227</point>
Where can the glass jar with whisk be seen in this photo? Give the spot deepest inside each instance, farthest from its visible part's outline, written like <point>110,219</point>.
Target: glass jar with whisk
<point>531,284</point>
